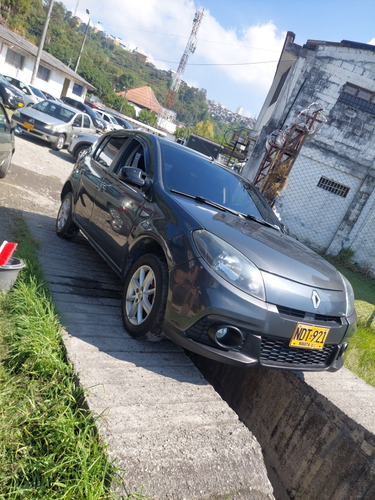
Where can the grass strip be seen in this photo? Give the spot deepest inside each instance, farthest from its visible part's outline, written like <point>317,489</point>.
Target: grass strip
<point>49,446</point>
<point>360,356</point>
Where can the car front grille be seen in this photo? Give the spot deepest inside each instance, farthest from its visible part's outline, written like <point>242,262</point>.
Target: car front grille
<point>276,352</point>
<point>34,121</point>
<point>320,318</point>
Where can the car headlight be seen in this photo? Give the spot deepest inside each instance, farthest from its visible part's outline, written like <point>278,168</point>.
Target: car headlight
<point>8,91</point>
<point>50,127</point>
<point>349,295</point>
<point>229,263</point>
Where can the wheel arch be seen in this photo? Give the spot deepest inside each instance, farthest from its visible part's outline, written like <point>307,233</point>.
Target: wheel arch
<point>80,146</point>
<point>142,247</point>
<point>66,189</point>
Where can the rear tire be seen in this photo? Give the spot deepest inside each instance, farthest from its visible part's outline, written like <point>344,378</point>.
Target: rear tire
<point>4,168</point>
<point>65,227</point>
<point>144,297</point>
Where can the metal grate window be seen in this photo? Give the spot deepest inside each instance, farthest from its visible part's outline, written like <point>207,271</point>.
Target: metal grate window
<point>358,98</point>
<point>333,187</point>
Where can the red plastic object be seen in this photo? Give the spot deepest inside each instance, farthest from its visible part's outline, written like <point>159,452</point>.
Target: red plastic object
<point>6,252</point>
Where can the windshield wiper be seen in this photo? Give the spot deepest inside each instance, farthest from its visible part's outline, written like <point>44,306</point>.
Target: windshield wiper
<point>213,204</point>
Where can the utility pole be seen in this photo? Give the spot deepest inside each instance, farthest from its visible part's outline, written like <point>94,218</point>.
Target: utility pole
<point>83,42</point>
<point>41,43</point>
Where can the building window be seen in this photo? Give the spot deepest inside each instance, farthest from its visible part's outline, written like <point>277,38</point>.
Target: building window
<point>15,59</point>
<point>44,73</point>
<point>333,187</point>
<point>77,89</point>
<point>358,98</point>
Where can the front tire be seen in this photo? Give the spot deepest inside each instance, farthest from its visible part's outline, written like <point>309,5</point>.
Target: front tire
<point>59,144</point>
<point>65,227</point>
<point>80,151</point>
<point>144,297</point>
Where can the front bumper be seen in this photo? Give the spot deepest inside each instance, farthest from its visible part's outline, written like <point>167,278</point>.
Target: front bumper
<point>38,130</point>
<point>15,102</point>
<point>199,303</point>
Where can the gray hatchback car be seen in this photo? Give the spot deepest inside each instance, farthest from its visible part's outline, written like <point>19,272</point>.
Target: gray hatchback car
<point>204,260</point>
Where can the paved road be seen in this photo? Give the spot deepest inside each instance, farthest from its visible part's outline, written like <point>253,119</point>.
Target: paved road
<point>164,424</point>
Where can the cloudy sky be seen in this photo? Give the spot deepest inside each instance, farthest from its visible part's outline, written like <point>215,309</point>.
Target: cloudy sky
<point>239,41</point>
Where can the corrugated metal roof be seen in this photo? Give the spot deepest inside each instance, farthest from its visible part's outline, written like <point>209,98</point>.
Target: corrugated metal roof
<point>24,45</point>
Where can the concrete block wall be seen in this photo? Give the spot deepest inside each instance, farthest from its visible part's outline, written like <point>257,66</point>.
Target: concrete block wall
<point>312,448</point>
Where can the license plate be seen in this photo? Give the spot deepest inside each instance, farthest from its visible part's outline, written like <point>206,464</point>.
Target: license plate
<point>20,104</point>
<point>28,126</point>
<point>309,337</point>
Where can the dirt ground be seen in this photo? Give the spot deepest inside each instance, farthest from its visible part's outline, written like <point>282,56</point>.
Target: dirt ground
<point>35,178</point>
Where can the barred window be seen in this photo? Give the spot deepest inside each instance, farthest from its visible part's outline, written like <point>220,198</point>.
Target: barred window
<point>358,98</point>
<point>15,59</point>
<point>44,73</point>
<point>333,187</point>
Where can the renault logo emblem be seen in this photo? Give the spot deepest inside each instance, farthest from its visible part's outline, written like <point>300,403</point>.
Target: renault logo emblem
<point>315,299</point>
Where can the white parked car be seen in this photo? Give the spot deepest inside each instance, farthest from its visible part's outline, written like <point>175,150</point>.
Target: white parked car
<point>31,95</point>
<point>112,123</point>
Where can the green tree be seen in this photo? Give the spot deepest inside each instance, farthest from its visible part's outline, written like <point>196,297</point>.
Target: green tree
<point>204,129</point>
<point>127,81</point>
<point>16,7</point>
<point>148,117</point>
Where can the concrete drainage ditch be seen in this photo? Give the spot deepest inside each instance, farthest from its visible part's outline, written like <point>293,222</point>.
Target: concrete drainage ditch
<point>312,448</point>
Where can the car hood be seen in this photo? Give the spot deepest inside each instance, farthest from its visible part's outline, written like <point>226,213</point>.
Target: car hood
<point>42,117</point>
<point>269,249</point>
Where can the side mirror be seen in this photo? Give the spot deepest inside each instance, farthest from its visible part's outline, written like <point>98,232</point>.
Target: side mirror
<point>134,176</point>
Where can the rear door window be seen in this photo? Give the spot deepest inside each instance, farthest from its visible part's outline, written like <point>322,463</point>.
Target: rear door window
<point>133,156</point>
<point>108,150</point>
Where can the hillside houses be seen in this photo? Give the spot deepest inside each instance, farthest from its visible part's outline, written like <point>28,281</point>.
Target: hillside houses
<point>220,112</point>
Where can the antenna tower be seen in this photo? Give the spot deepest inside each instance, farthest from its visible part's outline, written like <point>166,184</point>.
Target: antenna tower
<point>189,49</point>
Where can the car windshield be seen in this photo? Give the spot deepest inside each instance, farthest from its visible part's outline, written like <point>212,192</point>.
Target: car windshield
<point>37,92</point>
<point>3,80</point>
<point>197,176</point>
<point>55,110</point>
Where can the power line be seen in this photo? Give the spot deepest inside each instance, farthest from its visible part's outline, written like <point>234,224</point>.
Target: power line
<point>217,64</point>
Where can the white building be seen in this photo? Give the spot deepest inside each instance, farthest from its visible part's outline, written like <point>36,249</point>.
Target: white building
<point>17,59</point>
<point>329,198</point>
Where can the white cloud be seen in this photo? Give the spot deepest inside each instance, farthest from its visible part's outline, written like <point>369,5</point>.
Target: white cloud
<point>161,28</point>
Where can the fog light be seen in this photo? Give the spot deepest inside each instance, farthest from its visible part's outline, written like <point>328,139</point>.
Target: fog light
<point>226,336</point>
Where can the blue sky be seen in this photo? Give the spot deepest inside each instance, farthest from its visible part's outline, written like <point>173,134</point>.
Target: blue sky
<point>239,41</point>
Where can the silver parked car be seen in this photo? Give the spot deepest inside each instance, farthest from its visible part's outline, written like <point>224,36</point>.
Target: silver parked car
<point>80,143</point>
<point>53,122</point>
<point>204,259</point>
